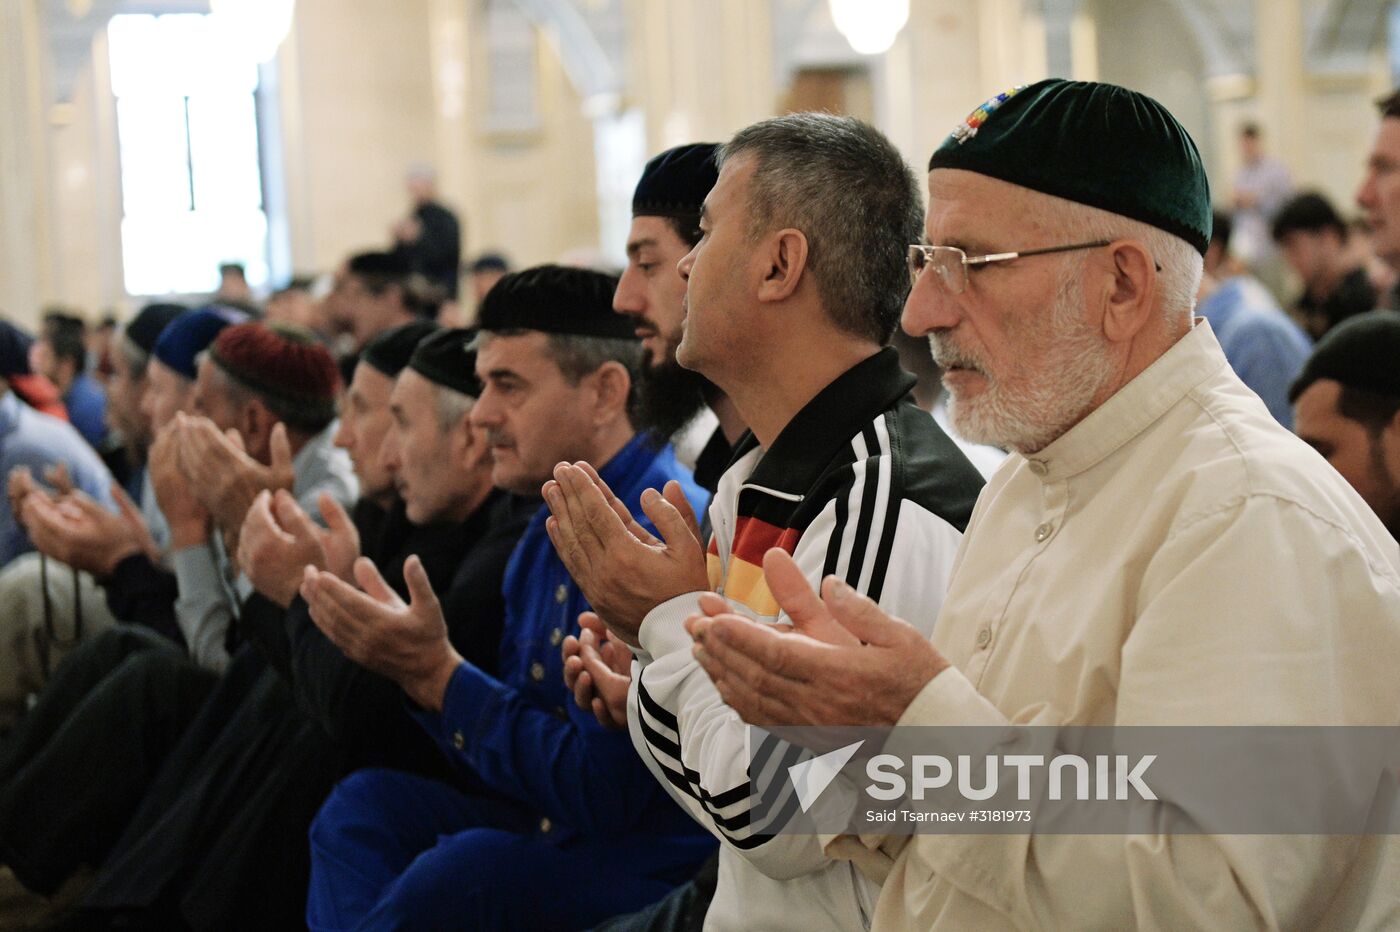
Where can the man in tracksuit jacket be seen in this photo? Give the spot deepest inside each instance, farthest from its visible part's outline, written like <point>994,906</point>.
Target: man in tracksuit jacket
<point>793,293</point>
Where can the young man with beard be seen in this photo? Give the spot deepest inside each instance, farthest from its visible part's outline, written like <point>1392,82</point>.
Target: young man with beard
<point>226,849</point>
<point>1158,551</point>
<point>546,800</point>
<point>793,292</point>
<point>1347,404</point>
<point>666,226</point>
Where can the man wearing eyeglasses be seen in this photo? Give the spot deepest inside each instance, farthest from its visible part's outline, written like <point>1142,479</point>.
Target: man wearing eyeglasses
<point>1157,551</point>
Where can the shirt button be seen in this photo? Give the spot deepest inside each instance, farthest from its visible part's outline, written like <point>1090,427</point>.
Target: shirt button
<point>1038,467</point>
<point>561,595</point>
<point>1042,532</point>
<point>458,741</point>
<point>556,636</point>
<point>984,637</point>
<point>546,826</point>
<point>537,671</point>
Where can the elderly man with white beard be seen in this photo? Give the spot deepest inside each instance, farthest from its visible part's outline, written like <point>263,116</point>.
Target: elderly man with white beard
<point>1157,551</point>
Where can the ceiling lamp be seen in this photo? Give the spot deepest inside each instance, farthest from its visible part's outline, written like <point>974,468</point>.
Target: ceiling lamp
<point>870,25</point>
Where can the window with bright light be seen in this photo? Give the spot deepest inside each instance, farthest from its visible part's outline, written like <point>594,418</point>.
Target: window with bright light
<point>187,130</point>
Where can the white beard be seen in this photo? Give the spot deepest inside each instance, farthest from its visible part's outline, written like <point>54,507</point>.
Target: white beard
<point>1073,365</point>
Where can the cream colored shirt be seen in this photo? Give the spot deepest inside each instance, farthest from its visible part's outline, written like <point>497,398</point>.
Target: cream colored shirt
<point>1176,558</point>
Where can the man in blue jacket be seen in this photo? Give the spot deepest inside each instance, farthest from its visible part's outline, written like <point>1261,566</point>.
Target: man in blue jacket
<point>548,800</point>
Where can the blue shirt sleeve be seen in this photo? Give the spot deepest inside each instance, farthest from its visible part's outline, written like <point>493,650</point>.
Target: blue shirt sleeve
<point>1268,363</point>
<point>566,765</point>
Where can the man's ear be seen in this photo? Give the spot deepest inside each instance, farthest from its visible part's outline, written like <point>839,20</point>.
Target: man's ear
<point>786,260</point>
<point>611,386</point>
<point>1129,290</point>
<point>255,423</point>
<point>477,453</point>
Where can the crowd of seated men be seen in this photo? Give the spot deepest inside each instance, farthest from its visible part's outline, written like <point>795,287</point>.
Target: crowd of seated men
<point>327,615</point>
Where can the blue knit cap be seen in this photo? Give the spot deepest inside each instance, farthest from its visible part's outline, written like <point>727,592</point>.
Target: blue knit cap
<point>190,334</point>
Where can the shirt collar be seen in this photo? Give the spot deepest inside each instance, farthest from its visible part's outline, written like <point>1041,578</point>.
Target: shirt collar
<point>1133,408</point>
<point>807,444</point>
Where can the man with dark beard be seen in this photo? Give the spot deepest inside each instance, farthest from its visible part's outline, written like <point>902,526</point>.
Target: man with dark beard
<point>1347,407</point>
<point>666,226</point>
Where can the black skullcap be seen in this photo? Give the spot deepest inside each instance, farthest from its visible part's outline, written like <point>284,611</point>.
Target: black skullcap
<point>14,350</point>
<point>145,327</point>
<point>391,350</point>
<point>489,262</point>
<point>556,299</point>
<point>1361,352</point>
<point>389,266</point>
<point>1095,144</point>
<point>674,183</point>
<point>445,359</point>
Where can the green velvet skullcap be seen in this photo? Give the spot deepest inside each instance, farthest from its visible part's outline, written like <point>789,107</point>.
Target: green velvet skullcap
<point>1095,144</point>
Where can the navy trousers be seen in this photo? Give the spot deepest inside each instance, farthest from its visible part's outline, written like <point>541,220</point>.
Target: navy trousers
<point>391,850</point>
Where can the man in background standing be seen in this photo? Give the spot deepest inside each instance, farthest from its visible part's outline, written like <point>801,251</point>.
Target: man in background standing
<point>1261,186</point>
<point>430,237</point>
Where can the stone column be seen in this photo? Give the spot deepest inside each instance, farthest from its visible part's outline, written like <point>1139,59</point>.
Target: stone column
<point>25,234</point>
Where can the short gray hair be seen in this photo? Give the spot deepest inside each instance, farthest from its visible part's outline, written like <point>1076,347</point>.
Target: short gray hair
<point>451,406</point>
<point>846,187</point>
<point>1181,265</point>
<point>578,356</point>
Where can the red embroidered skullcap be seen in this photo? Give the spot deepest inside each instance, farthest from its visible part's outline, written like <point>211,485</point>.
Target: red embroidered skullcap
<point>286,367</point>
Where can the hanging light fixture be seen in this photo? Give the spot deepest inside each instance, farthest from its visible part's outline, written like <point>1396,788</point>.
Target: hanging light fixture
<point>255,26</point>
<point>869,25</point>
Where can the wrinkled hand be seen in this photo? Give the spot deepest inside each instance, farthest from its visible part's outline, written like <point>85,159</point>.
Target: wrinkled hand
<point>76,530</point>
<point>843,662</point>
<point>276,544</point>
<point>224,477</point>
<point>189,521</point>
<point>339,538</point>
<point>623,570</point>
<point>598,671</point>
<point>406,643</point>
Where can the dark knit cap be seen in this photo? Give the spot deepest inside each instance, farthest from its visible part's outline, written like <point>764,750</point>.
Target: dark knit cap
<point>387,266</point>
<point>146,327</point>
<point>1095,144</point>
<point>285,366</point>
<point>674,183</point>
<point>555,299</point>
<point>190,334</point>
<point>445,359</point>
<point>1361,352</point>
<point>14,350</point>
<point>391,350</point>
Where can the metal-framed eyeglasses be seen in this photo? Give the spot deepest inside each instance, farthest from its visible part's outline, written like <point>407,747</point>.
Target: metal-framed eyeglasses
<point>951,263</point>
